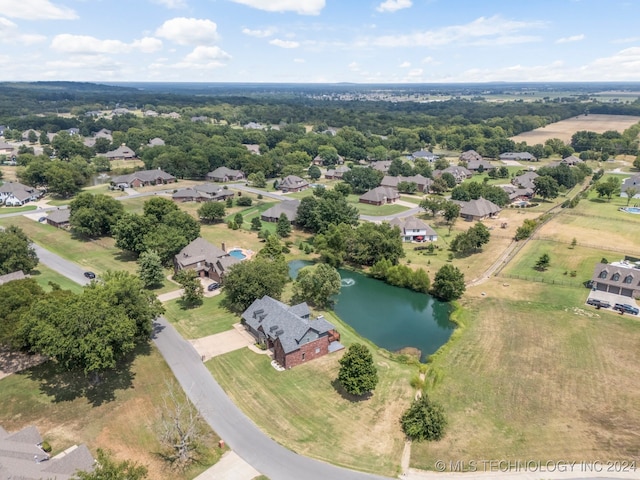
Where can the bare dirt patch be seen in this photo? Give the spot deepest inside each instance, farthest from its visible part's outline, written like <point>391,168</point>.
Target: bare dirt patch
<point>564,129</point>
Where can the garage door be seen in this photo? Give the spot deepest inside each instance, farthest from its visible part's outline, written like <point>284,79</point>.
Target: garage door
<point>615,290</point>
<point>602,287</point>
<point>627,292</point>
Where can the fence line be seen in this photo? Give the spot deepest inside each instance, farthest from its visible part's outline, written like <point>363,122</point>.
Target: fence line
<point>567,283</point>
<point>549,238</point>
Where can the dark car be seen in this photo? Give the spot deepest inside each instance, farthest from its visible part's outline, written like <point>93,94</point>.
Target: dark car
<point>90,275</point>
<point>42,219</point>
<point>598,303</point>
<point>626,308</point>
<point>213,286</point>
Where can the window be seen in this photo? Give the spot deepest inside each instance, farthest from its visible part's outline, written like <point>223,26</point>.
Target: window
<point>303,354</point>
<point>603,274</point>
<point>628,279</point>
<point>318,350</point>
<point>615,277</point>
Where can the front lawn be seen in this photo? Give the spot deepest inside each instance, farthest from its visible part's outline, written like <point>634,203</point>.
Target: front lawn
<point>26,208</point>
<point>374,210</point>
<point>207,319</point>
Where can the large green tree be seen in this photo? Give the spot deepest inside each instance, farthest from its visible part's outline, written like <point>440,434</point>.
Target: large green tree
<point>424,420</point>
<point>16,298</point>
<point>192,291</point>
<point>150,269</point>
<point>546,186</point>
<point>283,227</point>
<point>608,188</point>
<point>362,179</point>
<point>130,231</point>
<point>316,285</point>
<point>211,212</point>
<point>472,240</point>
<point>358,374</point>
<point>448,284</point>
<point>94,215</point>
<point>16,251</point>
<point>253,279</point>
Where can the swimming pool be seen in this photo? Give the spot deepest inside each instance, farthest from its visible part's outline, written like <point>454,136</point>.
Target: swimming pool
<point>635,210</point>
<point>237,253</point>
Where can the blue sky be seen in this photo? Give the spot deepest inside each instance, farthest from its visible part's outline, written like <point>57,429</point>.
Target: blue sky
<point>363,41</point>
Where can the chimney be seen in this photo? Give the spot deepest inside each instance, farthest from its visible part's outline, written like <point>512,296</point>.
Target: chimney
<point>224,247</point>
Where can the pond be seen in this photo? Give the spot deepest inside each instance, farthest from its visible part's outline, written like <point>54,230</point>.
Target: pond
<point>393,318</point>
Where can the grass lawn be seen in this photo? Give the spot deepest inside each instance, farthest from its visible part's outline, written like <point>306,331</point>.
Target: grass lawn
<point>412,198</point>
<point>207,319</point>
<point>536,374</point>
<point>26,208</point>
<point>366,209</point>
<point>122,422</point>
<point>301,409</point>
<point>43,275</point>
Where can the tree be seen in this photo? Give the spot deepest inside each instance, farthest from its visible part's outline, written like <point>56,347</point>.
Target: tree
<point>166,241</point>
<point>358,374</point>
<point>32,137</point>
<point>94,215</point>
<point>631,192</point>
<point>238,219</point>
<point>316,285</point>
<point>253,279</point>
<point>362,179</point>
<point>16,298</point>
<point>283,228</point>
<point>424,420</point>
<point>314,172</point>
<point>158,207</point>
<point>433,205</point>
<point>608,187</point>
<point>184,223</point>
<point>543,262</point>
<point>636,163</point>
<point>192,287</point>
<point>130,230</point>
<point>16,251</point>
<point>471,240</point>
<point>229,202</point>
<point>574,242</point>
<point>546,187</point>
<point>256,224</point>
<point>257,179</point>
<point>343,189</point>
<point>150,269</point>
<point>448,284</point>
<point>451,212</point>
<point>244,201</point>
<point>109,469</point>
<point>211,212</point>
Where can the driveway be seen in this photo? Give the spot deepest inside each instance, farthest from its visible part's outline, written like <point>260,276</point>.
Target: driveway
<point>220,343</point>
<point>229,467</point>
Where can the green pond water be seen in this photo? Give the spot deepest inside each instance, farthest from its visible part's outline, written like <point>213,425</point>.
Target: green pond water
<point>393,318</point>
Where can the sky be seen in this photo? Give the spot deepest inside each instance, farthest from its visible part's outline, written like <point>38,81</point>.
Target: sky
<point>320,41</point>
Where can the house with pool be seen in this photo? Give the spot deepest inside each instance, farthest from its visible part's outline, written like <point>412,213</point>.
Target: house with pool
<point>208,260</point>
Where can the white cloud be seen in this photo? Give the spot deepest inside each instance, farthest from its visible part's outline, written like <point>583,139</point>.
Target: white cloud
<point>299,60</point>
<point>302,7</point>
<point>9,33</point>
<point>284,43</point>
<point>189,31</point>
<point>573,38</point>
<point>429,60</point>
<point>415,72</point>
<point>405,65</point>
<point>626,40</point>
<point>173,4</point>
<point>202,58</point>
<point>267,32</point>
<point>482,31</point>
<point>393,5</point>
<point>624,65</point>
<point>87,45</point>
<point>354,66</point>
<point>36,10</point>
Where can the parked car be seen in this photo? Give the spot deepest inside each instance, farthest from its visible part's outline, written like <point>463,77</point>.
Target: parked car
<point>598,303</point>
<point>213,286</point>
<point>90,275</point>
<point>42,219</point>
<point>626,308</point>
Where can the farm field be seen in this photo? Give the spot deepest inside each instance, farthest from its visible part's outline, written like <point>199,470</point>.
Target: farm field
<point>564,129</point>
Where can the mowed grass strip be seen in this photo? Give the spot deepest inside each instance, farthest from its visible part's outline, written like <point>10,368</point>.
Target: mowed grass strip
<point>123,423</point>
<point>301,408</point>
<point>537,375</point>
<point>208,319</point>
<point>43,275</point>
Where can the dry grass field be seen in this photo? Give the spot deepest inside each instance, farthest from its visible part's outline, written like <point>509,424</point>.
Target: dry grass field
<point>564,129</point>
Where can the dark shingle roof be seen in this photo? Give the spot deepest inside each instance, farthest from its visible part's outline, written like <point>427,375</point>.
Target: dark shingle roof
<point>412,223</point>
<point>288,207</point>
<point>478,208</point>
<point>380,194</point>
<point>143,175</point>
<point>60,215</point>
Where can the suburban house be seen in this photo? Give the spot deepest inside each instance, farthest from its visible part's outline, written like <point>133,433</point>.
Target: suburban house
<point>458,172</point>
<point>517,156</point>
<point>25,134</point>
<point>380,196</point>
<point>621,278</point>
<point>6,149</point>
<point>9,277</point>
<point>59,218</point>
<point>150,113</point>
<point>293,183</point>
<point>121,153</point>
<point>290,332</point>
<point>143,178</point>
<point>252,147</point>
<point>103,133</point>
<point>173,115</point>
<point>22,457</point>
<point>205,258</point>
<point>16,194</point>
<point>479,165</point>
<point>224,174</point>
<point>425,155</point>
<point>254,126</point>
<point>381,165</point>
<point>156,142</point>
<point>121,111</point>
<point>336,173</point>
<point>202,193</point>
<point>525,180</point>
<point>413,229</point>
<point>422,183</point>
<point>288,207</point>
<point>478,209</point>
<point>200,118</point>
<point>470,155</point>
<point>318,160</point>
<point>517,193</point>
<point>571,161</point>
<point>631,182</point>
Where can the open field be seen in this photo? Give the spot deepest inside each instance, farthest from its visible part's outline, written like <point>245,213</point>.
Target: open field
<point>207,319</point>
<point>565,129</point>
<point>537,375</point>
<point>122,423</point>
<point>301,408</point>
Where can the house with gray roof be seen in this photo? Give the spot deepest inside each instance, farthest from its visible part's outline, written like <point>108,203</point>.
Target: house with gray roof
<point>290,332</point>
<point>121,153</point>
<point>470,155</point>
<point>480,165</point>
<point>517,193</point>
<point>224,174</point>
<point>22,458</point>
<point>156,142</point>
<point>143,178</point>
<point>59,218</point>
<point>381,165</point>
<point>424,155</point>
<point>621,278</point>
<point>190,195</point>
<point>9,277</point>
<point>631,182</point>
<point>252,147</point>
<point>288,207</point>
<point>526,156</point>
<point>478,209</point>
<point>206,259</point>
<point>526,180</point>
<point>458,172</point>
<point>6,149</point>
<point>422,183</point>
<point>16,194</point>
<point>413,229</point>
<point>336,173</point>
<point>571,161</point>
<point>380,196</point>
<point>293,183</point>
<point>202,193</point>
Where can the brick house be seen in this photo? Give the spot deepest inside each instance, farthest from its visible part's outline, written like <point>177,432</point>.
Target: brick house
<point>143,178</point>
<point>478,209</point>
<point>290,332</point>
<point>379,196</point>
<point>206,259</point>
<point>59,218</point>
<point>224,174</point>
<point>293,183</point>
<point>288,207</point>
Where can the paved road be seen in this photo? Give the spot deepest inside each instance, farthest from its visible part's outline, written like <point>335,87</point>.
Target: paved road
<point>60,265</point>
<point>231,424</point>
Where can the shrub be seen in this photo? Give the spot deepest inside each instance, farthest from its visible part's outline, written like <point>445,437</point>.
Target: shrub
<point>260,196</point>
<point>244,202</point>
<point>46,447</point>
<point>424,420</point>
